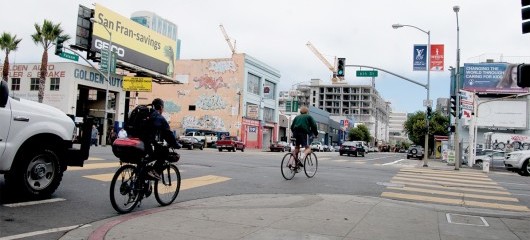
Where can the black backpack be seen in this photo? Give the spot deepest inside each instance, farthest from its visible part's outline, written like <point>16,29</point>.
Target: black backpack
<point>139,123</point>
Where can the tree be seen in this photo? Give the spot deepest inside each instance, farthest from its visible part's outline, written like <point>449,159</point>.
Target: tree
<point>8,43</point>
<point>359,133</point>
<point>45,35</point>
<point>415,127</point>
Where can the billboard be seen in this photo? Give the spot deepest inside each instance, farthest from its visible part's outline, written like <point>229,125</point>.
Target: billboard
<point>137,84</point>
<point>491,78</point>
<point>503,114</point>
<point>419,62</point>
<point>132,42</point>
<point>437,57</point>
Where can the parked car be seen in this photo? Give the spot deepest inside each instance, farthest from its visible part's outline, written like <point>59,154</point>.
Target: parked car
<point>415,152</point>
<point>496,157</point>
<point>231,143</point>
<point>518,161</point>
<point>336,148</point>
<point>355,148</point>
<point>280,146</point>
<point>191,143</point>
<point>317,147</point>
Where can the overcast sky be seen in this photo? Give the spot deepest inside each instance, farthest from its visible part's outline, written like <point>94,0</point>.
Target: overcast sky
<point>276,32</point>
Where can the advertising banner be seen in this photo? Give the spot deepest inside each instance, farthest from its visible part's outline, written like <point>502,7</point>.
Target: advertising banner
<point>419,62</point>
<point>437,57</point>
<point>137,84</point>
<point>132,42</point>
<point>491,78</point>
<point>503,114</point>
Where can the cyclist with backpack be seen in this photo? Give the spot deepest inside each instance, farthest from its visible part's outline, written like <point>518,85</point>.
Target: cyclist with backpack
<point>302,126</point>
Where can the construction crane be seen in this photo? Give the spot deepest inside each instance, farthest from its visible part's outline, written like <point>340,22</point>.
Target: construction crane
<point>324,60</point>
<point>232,46</point>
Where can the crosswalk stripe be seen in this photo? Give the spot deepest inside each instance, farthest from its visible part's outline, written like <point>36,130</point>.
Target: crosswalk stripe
<point>185,184</point>
<point>447,179</point>
<point>467,188</point>
<point>360,162</point>
<point>423,198</point>
<point>95,166</point>
<point>467,173</point>
<point>464,178</point>
<point>444,183</point>
<point>455,194</point>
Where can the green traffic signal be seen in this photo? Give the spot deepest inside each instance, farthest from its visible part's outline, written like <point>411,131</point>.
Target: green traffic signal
<point>429,113</point>
<point>341,62</point>
<point>59,45</point>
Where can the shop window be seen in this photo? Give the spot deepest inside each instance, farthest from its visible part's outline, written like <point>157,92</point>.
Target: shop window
<point>92,94</point>
<point>191,108</point>
<point>253,83</point>
<point>34,85</point>
<point>54,84</point>
<point>15,84</point>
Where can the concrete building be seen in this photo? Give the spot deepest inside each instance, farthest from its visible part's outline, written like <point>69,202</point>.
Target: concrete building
<point>396,128</point>
<point>347,103</point>
<point>159,25</point>
<point>442,105</point>
<point>238,95</point>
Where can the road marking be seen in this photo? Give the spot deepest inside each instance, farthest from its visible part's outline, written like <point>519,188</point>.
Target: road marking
<point>447,179</point>
<point>522,184</point>
<point>394,162</point>
<point>23,204</point>
<point>360,162</point>
<point>201,181</point>
<point>96,166</point>
<point>454,177</point>
<point>107,177</point>
<point>324,158</point>
<point>95,159</point>
<point>446,174</point>
<point>52,230</point>
<point>423,198</point>
<point>460,173</point>
<point>341,160</point>
<point>453,188</point>
<point>455,194</point>
<point>445,183</point>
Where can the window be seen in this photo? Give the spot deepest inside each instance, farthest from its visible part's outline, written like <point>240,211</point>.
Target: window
<point>253,83</point>
<point>92,94</point>
<point>54,84</point>
<point>191,108</point>
<point>269,89</point>
<point>268,114</point>
<point>34,86</point>
<point>15,84</point>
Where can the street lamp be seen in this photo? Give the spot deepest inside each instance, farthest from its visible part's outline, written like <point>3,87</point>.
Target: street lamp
<point>456,9</point>
<point>104,138</point>
<point>396,26</point>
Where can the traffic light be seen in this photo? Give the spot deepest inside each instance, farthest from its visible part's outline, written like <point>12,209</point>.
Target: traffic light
<point>525,15</point>
<point>523,75</point>
<point>453,105</point>
<point>341,62</point>
<point>429,113</point>
<point>59,45</point>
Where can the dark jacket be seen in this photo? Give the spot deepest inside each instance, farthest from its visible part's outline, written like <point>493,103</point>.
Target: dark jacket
<point>304,123</point>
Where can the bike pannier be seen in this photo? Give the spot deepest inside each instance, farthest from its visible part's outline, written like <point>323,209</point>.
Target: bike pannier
<point>130,150</point>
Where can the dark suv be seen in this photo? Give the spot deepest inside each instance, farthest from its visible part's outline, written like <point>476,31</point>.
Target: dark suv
<point>415,152</point>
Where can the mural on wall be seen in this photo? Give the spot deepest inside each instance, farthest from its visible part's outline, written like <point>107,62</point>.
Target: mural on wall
<point>171,107</point>
<point>210,102</point>
<point>222,66</point>
<point>182,92</point>
<point>205,122</point>
<point>210,83</point>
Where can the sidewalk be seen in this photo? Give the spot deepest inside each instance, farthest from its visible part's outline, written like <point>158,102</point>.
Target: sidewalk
<point>321,216</point>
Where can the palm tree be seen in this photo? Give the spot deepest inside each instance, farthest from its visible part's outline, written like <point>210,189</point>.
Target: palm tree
<point>45,36</point>
<point>8,43</point>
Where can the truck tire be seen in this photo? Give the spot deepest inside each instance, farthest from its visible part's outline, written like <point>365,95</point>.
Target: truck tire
<point>525,171</point>
<point>243,149</point>
<point>36,173</point>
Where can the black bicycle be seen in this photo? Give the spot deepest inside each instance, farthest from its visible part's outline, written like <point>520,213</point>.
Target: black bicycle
<point>290,168</point>
<point>131,183</point>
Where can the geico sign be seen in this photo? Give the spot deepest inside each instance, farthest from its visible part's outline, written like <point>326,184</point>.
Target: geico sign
<point>104,46</point>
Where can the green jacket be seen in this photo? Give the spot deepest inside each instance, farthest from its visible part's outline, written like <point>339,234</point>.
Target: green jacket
<point>304,123</point>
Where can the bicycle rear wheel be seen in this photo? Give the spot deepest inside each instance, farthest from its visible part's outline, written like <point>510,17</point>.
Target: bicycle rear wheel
<point>168,187</point>
<point>288,166</point>
<point>124,194</point>
<point>310,165</point>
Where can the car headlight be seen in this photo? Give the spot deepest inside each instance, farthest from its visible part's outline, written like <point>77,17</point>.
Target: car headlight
<point>515,155</point>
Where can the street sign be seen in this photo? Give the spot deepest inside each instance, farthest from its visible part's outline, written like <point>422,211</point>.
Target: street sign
<point>69,56</point>
<point>427,103</point>
<point>366,73</point>
<point>137,84</point>
<point>105,61</point>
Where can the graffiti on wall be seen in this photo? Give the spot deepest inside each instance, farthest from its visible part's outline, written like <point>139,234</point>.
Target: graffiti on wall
<point>209,83</point>
<point>222,66</point>
<point>205,122</point>
<point>210,102</point>
<point>182,92</point>
<point>171,107</point>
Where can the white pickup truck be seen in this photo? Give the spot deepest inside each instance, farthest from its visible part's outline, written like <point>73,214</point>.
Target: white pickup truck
<point>36,145</point>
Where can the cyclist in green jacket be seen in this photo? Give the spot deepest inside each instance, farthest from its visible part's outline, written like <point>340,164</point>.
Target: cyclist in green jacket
<point>302,126</point>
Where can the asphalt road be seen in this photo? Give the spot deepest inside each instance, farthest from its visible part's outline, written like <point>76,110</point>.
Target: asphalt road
<point>83,196</point>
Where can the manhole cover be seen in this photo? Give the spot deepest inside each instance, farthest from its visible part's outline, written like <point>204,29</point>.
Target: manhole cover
<point>388,184</point>
<point>466,220</point>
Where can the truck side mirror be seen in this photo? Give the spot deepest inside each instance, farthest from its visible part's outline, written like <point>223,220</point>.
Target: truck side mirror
<point>4,93</point>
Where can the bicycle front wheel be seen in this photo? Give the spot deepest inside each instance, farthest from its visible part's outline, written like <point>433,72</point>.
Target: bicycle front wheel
<point>168,187</point>
<point>288,166</point>
<point>124,194</point>
<point>310,165</point>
